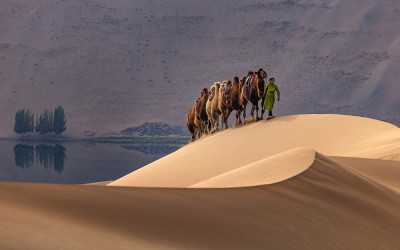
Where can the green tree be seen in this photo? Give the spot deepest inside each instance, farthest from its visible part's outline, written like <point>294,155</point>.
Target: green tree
<point>44,124</point>
<point>59,120</point>
<point>28,121</point>
<point>23,121</point>
<point>18,125</point>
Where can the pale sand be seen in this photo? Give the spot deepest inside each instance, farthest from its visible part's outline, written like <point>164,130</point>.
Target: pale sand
<point>297,197</point>
<point>334,135</point>
<point>267,171</point>
<point>325,207</point>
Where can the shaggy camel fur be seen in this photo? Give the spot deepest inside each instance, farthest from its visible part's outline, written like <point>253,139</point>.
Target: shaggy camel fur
<point>242,100</point>
<point>255,93</point>
<point>225,107</point>
<point>200,112</point>
<point>234,100</point>
<point>208,105</point>
<point>213,110</point>
<point>193,129</point>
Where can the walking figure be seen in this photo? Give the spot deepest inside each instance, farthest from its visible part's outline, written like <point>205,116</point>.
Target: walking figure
<point>269,99</point>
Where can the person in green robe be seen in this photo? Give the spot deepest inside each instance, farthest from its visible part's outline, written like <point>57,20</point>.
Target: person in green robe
<point>270,96</point>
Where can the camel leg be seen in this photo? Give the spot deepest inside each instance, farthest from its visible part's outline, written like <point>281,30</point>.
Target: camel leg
<point>200,130</point>
<point>262,105</point>
<point>262,113</point>
<point>257,117</point>
<point>244,112</point>
<point>238,121</point>
<point>210,125</point>
<point>228,112</point>
<point>252,111</point>
<point>225,121</point>
<point>215,124</point>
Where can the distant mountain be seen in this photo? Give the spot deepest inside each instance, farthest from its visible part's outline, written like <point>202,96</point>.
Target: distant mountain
<point>155,129</point>
<point>116,63</point>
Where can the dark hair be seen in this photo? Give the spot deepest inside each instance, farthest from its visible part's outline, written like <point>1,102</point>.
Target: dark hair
<point>272,78</point>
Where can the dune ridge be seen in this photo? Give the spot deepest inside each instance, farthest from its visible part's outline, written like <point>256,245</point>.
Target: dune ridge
<point>219,154</point>
<point>328,206</point>
<point>273,169</point>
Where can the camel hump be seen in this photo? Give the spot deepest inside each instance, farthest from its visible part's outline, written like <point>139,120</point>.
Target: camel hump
<point>211,97</point>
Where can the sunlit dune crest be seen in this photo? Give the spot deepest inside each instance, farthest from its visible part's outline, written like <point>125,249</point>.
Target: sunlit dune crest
<point>251,144</point>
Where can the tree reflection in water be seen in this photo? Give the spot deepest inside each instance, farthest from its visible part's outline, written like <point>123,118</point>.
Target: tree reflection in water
<point>46,155</point>
<point>24,155</point>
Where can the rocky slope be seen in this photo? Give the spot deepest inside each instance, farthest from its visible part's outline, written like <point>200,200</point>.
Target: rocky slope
<point>115,64</point>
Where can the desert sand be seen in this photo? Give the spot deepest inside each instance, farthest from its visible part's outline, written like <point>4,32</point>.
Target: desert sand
<point>294,182</point>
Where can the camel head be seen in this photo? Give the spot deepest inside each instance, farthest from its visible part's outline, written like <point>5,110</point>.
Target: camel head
<point>212,89</point>
<point>236,79</point>
<point>261,73</point>
<point>260,87</point>
<point>224,84</point>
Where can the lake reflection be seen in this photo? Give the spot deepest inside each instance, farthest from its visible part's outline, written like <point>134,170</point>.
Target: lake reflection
<point>24,155</point>
<point>47,156</point>
<point>75,162</point>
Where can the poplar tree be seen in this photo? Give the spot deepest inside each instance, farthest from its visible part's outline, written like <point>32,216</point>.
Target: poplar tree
<point>18,125</point>
<point>45,122</point>
<point>60,122</point>
<point>23,121</point>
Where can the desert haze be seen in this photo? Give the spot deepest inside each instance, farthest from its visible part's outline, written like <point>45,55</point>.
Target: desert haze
<point>147,61</point>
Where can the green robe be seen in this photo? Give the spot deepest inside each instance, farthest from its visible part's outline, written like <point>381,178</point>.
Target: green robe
<point>270,96</point>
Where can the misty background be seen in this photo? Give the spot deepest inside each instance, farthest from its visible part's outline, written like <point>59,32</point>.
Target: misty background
<point>114,64</point>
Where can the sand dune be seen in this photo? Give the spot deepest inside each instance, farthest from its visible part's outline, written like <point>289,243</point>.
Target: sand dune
<point>328,206</point>
<point>289,183</point>
<point>270,170</point>
<point>334,135</point>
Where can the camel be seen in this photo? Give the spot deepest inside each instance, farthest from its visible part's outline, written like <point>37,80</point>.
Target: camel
<point>233,99</point>
<point>208,104</point>
<point>201,117</point>
<point>212,106</point>
<point>254,92</point>
<point>242,100</point>
<point>224,103</point>
<point>193,129</point>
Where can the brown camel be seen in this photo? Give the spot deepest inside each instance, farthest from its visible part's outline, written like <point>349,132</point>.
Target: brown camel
<point>193,129</point>
<point>254,92</point>
<point>213,110</point>
<point>225,103</point>
<point>233,99</point>
<point>208,104</point>
<point>201,117</point>
<point>242,100</point>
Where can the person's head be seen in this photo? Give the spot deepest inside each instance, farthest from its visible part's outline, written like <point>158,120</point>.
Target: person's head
<point>271,80</point>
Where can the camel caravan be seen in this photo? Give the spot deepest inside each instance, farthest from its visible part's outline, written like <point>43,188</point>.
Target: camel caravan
<point>215,105</point>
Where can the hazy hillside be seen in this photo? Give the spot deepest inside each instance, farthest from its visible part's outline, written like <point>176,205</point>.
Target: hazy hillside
<point>155,129</point>
<point>114,64</point>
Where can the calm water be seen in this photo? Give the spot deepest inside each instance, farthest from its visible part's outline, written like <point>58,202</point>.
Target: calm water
<point>74,162</point>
